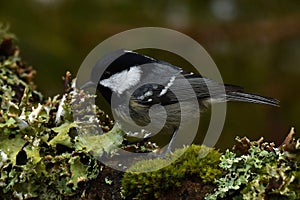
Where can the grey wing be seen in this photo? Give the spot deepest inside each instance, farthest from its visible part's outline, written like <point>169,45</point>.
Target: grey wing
<point>177,85</point>
<point>180,87</point>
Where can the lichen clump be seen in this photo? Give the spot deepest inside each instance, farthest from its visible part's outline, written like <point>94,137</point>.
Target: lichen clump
<point>42,153</point>
<point>259,170</point>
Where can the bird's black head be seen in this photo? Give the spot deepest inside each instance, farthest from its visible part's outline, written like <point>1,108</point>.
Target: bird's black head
<point>113,64</point>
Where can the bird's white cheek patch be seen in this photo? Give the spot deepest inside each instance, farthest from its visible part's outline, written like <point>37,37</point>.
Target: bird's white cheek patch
<point>123,80</point>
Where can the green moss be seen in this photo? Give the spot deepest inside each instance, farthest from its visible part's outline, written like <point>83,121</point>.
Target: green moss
<point>188,166</point>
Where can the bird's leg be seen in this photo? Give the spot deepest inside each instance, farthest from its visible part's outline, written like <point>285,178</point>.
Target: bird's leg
<point>169,147</point>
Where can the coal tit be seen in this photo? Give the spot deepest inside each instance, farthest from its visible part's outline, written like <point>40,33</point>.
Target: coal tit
<point>136,83</point>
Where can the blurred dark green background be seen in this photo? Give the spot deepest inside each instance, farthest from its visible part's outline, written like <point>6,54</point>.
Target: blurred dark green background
<point>255,44</point>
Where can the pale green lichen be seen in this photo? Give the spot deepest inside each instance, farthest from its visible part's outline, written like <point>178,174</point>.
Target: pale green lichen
<point>62,136</point>
<point>110,142</point>
<point>42,153</point>
<point>260,172</point>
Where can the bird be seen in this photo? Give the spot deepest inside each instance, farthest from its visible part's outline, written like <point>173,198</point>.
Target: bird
<point>136,83</point>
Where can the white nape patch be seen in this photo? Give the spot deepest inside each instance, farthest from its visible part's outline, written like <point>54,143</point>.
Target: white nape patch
<point>164,91</point>
<point>123,80</point>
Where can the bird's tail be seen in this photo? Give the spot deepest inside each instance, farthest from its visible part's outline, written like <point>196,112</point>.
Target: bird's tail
<point>252,98</point>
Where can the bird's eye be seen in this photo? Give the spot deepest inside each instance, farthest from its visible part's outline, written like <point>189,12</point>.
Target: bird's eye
<point>106,74</point>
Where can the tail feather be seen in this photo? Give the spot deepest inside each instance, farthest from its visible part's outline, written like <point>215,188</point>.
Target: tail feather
<point>252,98</point>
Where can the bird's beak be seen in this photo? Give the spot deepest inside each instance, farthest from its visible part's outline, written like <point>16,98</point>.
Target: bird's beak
<point>88,84</point>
